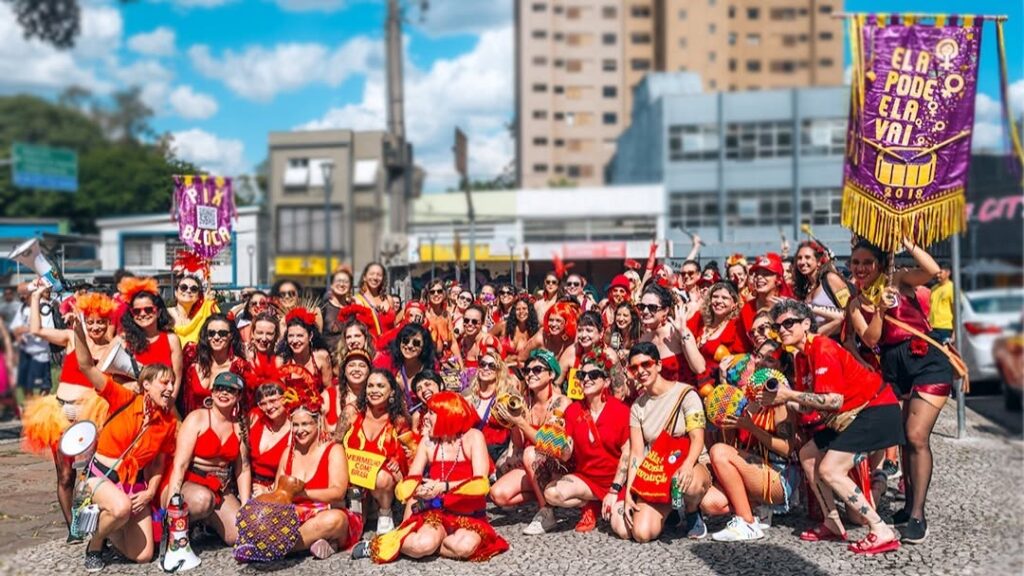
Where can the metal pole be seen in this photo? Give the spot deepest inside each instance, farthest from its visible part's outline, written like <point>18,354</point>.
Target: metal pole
<point>327,230</point>
<point>961,402</point>
<point>512,262</point>
<point>472,235</point>
<point>433,259</point>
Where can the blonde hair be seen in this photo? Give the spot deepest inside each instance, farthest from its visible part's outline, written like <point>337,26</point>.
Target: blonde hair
<point>503,381</point>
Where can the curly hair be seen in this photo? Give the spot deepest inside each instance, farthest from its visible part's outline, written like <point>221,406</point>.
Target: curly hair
<point>397,409</point>
<point>428,354</point>
<point>204,352</point>
<point>532,323</point>
<point>503,382</point>
<point>134,336</point>
<point>707,314</point>
<point>316,340</point>
<point>804,286</point>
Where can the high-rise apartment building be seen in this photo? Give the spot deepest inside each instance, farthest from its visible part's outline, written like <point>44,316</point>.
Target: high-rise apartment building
<point>577,62</point>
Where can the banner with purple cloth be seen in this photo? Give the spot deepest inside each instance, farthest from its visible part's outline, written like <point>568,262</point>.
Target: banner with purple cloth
<point>204,207</point>
<point>909,137</point>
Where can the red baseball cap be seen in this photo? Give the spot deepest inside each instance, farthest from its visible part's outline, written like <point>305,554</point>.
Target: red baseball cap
<point>771,262</point>
<point>620,281</point>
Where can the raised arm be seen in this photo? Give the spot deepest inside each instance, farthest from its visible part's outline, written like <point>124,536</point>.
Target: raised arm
<point>54,336</point>
<point>927,267</point>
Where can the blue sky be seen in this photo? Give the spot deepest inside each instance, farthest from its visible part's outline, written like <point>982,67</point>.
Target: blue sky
<point>222,73</point>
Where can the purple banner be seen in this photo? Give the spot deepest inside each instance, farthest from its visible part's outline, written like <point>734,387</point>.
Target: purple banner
<point>912,112</point>
<point>204,208</point>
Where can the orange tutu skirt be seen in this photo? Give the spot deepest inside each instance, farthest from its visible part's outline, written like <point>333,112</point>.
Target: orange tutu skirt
<point>45,419</point>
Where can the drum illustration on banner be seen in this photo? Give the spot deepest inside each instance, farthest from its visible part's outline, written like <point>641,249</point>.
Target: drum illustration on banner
<point>204,207</point>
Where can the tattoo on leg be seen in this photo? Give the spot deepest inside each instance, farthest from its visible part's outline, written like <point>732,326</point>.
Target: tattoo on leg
<point>864,510</point>
<point>859,457</point>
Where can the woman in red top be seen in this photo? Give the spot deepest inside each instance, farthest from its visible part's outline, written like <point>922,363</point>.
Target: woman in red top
<point>266,331</point>
<point>148,329</point>
<point>599,428</point>
<point>256,302</point>
<point>219,350</point>
<point>212,444</point>
<point>46,417</point>
<point>718,329</point>
<point>304,347</point>
<point>767,279</point>
<point>269,429</point>
<point>518,327</point>
<point>129,459</point>
<point>492,379</point>
<point>373,437</point>
<point>373,288</point>
<point>681,360</point>
<point>450,517</point>
<point>838,384</point>
<point>319,462</point>
<point>340,401</point>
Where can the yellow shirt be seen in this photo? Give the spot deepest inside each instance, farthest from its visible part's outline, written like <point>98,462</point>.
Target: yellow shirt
<point>941,315</point>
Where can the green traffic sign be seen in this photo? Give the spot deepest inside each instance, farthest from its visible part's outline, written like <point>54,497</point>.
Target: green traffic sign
<point>44,167</point>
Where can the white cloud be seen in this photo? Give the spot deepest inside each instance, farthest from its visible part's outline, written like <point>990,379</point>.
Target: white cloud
<point>219,156</point>
<point>446,17</point>
<point>159,42</point>
<point>258,73</point>
<point>989,130</point>
<point>473,91</point>
<point>152,77</point>
<point>188,103</point>
<point>310,5</point>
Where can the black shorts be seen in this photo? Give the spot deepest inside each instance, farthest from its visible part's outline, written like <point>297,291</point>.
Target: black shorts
<point>904,370</point>
<point>33,375</point>
<point>873,429</point>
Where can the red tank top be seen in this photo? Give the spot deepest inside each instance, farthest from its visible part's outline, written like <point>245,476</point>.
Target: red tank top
<point>332,406</point>
<point>453,473</point>
<point>158,352</point>
<point>911,312</point>
<point>320,478</point>
<point>264,464</point>
<point>70,374</point>
<point>209,446</point>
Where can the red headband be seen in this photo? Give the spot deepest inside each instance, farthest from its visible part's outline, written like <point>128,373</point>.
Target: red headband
<point>304,316</point>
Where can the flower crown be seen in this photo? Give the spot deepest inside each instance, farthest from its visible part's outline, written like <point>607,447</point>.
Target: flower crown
<point>304,316</point>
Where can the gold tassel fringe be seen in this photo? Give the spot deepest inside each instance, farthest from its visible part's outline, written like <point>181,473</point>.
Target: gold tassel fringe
<point>884,227</point>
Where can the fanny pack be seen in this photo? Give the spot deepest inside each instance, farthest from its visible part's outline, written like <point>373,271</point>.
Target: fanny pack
<point>840,421</point>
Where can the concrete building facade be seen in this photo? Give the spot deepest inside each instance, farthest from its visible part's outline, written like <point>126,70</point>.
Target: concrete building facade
<point>578,61</point>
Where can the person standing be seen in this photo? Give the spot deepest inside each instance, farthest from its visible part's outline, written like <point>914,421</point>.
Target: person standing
<point>33,352</point>
<point>941,310</point>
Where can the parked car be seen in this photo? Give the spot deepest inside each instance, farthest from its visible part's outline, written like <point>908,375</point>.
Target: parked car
<point>986,316</point>
<point>1008,352</point>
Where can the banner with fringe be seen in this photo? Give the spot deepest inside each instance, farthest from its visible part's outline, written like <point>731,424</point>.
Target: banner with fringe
<point>204,207</point>
<point>909,136</point>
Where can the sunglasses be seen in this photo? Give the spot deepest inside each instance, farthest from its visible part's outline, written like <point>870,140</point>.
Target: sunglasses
<point>573,284</point>
<point>437,291</point>
<point>505,292</point>
<point>190,288</point>
<point>551,282</point>
<point>218,333</point>
<point>289,294</point>
<point>470,321</point>
<point>691,272</point>
<point>652,308</point>
<point>271,400</point>
<point>260,304</point>
<point>143,311</point>
<point>412,342</point>
<point>763,329</point>
<point>228,389</point>
<point>464,298</point>
<point>787,324</point>
<point>487,365</point>
<point>646,365</point>
<point>595,374</point>
<point>536,370</point>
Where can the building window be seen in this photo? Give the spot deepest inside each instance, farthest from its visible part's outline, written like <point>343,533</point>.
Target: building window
<point>608,39</point>
<point>693,209</point>
<point>137,251</point>
<point>559,90</point>
<point>574,66</point>
<point>789,40</point>
<point>640,38</point>
<point>540,141</point>
<point>300,229</point>
<point>539,34</point>
<point>825,36</point>
<point>558,36</point>
<point>712,28</point>
<point>711,56</point>
<point>825,62</point>
<point>578,171</point>
<point>573,13</point>
<point>732,11</point>
<point>753,13</point>
<point>559,168</point>
<point>750,140</point>
<point>540,87</point>
<point>540,61</point>
<point>682,14</point>
<point>784,14</point>
<point>821,206</point>
<point>754,39</point>
<point>682,42</point>
<point>769,208</point>
<point>782,66</point>
<point>640,64</point>
<point>540,167</point>
<point>558,144</point>
<point>559,63</point>
<point>732,38</point>
<point>609,65</point>
<point>823,137</point>
<point>693,142</point>
<point>711,2</point>
<point>609,12</point>
<point>753,65</point>
<point>609,118</point>
<point>559,116</point>
<point>640,228</point>
<point>540,114</point>
<point>640,11</point>
<point>825,9</point>
<point>732,64</point>
<point>609,91</point>
<point>540,7</point>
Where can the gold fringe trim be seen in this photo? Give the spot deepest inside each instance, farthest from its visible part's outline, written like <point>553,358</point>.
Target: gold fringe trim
<point>925,223</point>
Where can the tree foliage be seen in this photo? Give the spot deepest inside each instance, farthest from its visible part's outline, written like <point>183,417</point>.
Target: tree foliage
<point>117,173</point>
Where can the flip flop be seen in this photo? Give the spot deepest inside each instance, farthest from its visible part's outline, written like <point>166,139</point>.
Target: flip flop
<point>822,533</point>
<point>870,545</point>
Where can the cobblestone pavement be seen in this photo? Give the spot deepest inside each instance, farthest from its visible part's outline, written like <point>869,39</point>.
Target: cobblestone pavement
<point>976,519</point>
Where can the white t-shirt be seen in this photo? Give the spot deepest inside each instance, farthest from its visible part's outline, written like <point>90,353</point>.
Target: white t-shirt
<point>34,346</point>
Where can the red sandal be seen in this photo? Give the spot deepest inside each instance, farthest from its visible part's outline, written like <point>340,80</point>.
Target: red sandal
<point>822,533</point>
<point>870,545</point>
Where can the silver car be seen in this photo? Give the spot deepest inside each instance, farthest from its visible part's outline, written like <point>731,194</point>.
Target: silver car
<point>986,315</point>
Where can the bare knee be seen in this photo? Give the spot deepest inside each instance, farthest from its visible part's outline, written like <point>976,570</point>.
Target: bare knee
<point>645,534</point>
<point>501,494</point>
<point>419,546</point>
<point>553,496</point>
<point>145,556</point>
<point>120,510</point>
<point>721,453</point>
<point>200,502</point>
<point>831,474</point>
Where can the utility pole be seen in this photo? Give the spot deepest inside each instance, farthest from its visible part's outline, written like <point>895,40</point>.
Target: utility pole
<point>461,150</point>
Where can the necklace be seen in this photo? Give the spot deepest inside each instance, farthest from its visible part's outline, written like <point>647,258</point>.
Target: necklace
<point>446,472</point>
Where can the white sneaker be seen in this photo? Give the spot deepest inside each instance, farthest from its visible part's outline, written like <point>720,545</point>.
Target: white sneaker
<point>385,524</point>
<point>737,530</point>
<point>543,521</point>
<point>763,516</point>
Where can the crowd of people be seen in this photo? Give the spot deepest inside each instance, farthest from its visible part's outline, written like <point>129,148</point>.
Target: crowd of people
<point>356,413</point>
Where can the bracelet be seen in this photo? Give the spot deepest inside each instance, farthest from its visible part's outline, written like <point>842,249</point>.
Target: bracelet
<point>446,488</point>
<point>615,488</point>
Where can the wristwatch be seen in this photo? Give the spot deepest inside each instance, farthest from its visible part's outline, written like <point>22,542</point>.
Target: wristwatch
<point>616,488</point>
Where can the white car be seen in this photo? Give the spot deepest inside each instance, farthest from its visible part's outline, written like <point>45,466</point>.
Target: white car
<point>986,315</point>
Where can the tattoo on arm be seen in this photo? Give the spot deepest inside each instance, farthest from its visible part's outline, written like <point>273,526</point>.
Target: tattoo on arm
<point>829,402</point>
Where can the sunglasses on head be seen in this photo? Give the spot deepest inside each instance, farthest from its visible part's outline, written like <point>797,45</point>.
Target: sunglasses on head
<point>487,365</point>
<point>227,389</point>
<point>536,369</point>
<point>218,333</point>
<point>289,294</point>
<point>652,308</point>
<point>646,365</point>
<point>591,374</point>
<point>144,311</point>
<point>788,324</point>
<point>190,288</point>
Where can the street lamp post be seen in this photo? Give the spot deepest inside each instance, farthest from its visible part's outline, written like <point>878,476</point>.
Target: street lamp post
<point>433,257</point>
<point>252,263</point>
<point>512,261</point>
<point>326,168</point>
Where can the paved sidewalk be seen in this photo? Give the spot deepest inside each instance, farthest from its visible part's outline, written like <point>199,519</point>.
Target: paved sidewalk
<point>976,519</point>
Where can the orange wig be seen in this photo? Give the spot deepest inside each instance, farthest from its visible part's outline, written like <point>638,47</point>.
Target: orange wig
<point>454,415</point>
<point>566,311</point>
<point>95,304</point>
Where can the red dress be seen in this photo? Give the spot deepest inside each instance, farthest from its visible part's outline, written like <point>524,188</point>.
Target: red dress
<point>727,343</point>
<point>158,352</point>
<point>597,445</point>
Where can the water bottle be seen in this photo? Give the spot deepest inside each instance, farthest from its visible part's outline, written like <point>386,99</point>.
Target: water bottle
<point>677,494</point>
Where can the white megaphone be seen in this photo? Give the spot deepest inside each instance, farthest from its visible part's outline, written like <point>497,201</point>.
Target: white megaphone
<point>178,557</point>
<point>119,362</point>
<point>78,439</point>
<point>30,255</point>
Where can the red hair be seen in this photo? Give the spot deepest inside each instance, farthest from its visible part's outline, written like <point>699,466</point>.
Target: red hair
<point>566,311</point>
<point>454,415</point>
<point>95,304</point>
